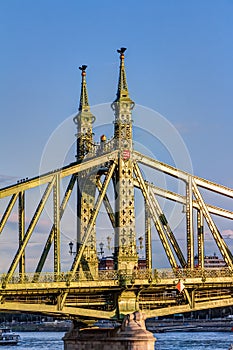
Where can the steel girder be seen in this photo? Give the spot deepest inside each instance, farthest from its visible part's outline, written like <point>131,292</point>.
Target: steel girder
<point>193,200</point>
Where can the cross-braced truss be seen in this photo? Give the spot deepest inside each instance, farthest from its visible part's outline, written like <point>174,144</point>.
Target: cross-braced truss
<point>72,293</point>
<point>81,288</point>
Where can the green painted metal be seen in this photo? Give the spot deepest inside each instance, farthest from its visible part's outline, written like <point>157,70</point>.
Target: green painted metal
<point>86,292</point>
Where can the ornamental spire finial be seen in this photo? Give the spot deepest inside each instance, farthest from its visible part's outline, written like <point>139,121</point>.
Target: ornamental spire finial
<point>122,91</point>
<point>84,104</point>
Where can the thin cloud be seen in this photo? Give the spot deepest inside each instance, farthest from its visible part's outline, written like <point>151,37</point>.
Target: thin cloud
<point>227,233</point>
<point>43,225</point>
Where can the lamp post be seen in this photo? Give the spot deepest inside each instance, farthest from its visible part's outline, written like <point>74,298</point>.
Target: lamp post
<point>140,242</point>
<point>71,244</point>
<point>101,252</point>
<point>140,246</point>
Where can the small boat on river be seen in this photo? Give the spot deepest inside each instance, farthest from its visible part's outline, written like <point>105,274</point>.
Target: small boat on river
<point>7,337</point>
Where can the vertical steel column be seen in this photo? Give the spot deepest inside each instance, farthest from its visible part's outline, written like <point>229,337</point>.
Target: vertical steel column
<point>87,232</point>
<point>86,181</point>
<point>224,249</point>
<point>21,233</point>
<point>51,235</point>
<point>29,231</point>
<point>148,237</point>
<point>125,235</point>
<point>155,216</point>
<point>189,224</point>
<point>200,238</point>
<point>85,203</point>
<point>56,219</point>
<point>125,245</point>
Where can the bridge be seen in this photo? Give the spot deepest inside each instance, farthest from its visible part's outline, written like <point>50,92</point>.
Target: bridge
<point>104,177</point>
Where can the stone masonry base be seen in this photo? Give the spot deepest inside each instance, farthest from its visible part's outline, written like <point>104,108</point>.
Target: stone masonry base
<point>132,335</point>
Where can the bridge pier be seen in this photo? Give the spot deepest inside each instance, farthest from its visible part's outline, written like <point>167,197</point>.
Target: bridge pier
<point>131,335</point>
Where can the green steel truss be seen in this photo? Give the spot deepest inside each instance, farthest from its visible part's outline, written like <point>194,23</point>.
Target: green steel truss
<point>83,290</point>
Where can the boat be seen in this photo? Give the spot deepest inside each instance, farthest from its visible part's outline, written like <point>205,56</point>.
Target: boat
<point>7,337</point>
<point>231,347</point>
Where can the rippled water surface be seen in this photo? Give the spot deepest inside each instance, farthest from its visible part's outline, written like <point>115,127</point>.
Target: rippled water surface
<point>194,341</point>
<point>39,341</point>
<point>165,341</point>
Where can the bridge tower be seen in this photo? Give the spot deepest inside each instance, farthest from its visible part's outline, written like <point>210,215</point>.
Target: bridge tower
<point>123,217</point>
<point>125,236</point>
<point>84,292</point>
<point>86,184</point>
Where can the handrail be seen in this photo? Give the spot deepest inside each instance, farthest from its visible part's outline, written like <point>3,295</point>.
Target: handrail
<point>120,275</point>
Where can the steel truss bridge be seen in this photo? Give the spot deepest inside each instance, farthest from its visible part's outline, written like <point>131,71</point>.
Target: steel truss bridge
<point>84,291</point>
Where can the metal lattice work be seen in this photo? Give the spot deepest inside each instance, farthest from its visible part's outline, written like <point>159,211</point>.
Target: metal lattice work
<point>84,290</point>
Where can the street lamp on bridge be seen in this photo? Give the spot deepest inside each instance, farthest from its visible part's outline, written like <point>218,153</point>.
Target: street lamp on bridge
<point>101,252</point>
<point>71,252</point>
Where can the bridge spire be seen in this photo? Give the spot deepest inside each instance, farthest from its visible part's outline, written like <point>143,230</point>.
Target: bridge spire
<point>83,103</point>
<point>84,120</point>
<point>86,184</point>
<point>125,235</point>
<point>122,90</point>
<point>122,107</point>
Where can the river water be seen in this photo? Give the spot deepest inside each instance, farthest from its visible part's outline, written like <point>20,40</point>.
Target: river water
<point>193,341</point>
<point>165,341</point>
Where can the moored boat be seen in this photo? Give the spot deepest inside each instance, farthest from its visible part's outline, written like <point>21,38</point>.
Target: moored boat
<point>7,337</point>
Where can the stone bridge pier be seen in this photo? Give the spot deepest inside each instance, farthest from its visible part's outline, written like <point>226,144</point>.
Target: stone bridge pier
<point>131,335</point>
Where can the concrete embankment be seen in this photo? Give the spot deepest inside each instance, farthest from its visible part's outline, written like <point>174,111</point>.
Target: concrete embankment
<point>158,326</point>
<point>155,326</point>
<point>40,327</point>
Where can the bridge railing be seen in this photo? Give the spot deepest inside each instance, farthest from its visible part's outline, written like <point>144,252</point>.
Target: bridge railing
<point>193,273</point>
<point>51,277</point>
<point>122,276</point>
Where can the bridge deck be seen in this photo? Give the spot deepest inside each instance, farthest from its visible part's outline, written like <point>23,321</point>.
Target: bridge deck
<point>155,292</point>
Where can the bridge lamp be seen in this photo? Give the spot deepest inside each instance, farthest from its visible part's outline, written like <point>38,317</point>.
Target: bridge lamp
<point>140,242</point>
<point>140,246</point>
<point>71,244</point>
<point>101,252</point>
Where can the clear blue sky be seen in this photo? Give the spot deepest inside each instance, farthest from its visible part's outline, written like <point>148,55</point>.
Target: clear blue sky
<point>179,63</point>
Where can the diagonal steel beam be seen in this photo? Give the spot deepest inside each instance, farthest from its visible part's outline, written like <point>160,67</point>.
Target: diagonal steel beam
<point>30,229</point>
<point>8,211</point>
<point>176,197</point>
<point>92,218</point>
<point>170,170</point>
<point>107,204</point>
<point>163,167</point>
<point>213,228</point>
<point>96,209</point>
<point>68,170</point>
<point>168,230</point>
<point>49,241</point>
<point>182,200</point>
<point>155,216</point>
